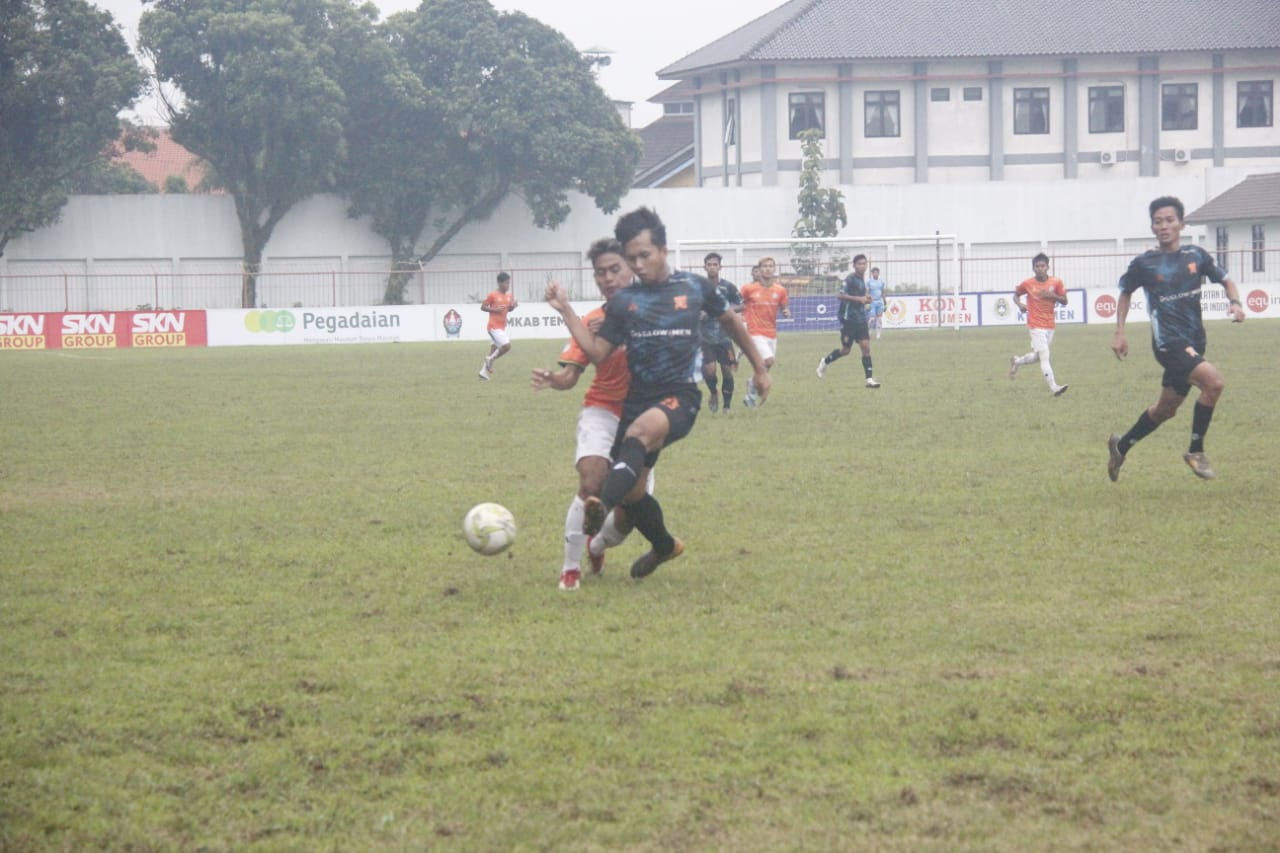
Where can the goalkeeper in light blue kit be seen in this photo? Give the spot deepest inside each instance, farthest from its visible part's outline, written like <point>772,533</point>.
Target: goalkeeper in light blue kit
<point>875,309</point>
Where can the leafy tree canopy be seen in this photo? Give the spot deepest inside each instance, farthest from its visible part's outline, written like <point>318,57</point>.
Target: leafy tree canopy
<point>66,72</point>
<point>260,100</point>
<point>467,106</point>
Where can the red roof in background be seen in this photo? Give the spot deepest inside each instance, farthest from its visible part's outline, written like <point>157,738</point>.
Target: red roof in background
<point>169,158</point>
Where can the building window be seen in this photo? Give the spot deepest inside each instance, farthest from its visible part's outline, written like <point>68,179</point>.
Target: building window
<point>1259,249</point>
<point>807,111</point>
<point>1031,110</point>
<point>731,122</point>
<point>881,113</point>
<point>1106,109</point>
<point>1253,103</point>
<point>1179,106</point>
<point>973,93</point>
<point>683,108</point>
<point>1224,246</point>
<point>940,94</point>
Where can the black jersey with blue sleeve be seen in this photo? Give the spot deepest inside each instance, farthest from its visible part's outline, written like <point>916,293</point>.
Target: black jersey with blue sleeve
<point>712,332</point>
<point>1172,281</point>
<point>854,285</point>
<point>661,326</point>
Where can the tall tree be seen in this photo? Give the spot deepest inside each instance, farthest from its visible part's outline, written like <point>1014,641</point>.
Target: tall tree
<point>495,104</point>
<point>822,214</point>
<point>66,72</point>
<point>259,101</point>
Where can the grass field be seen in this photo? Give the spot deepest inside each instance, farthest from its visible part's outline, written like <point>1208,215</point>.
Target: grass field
<point>237,613</point>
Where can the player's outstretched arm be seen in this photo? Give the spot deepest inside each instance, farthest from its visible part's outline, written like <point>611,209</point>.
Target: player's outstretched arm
<point>596,348</point>
<point>557,380</point>
<point>1119,343</point>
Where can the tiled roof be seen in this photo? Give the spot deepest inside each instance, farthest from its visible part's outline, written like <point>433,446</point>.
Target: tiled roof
<point>1255,198</point>
<point>852,30</point>
<point>668,144</point>
<point>169,158</point>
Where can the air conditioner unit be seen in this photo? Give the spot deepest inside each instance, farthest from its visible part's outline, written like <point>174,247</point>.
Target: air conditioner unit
<point>1181,155</point>
<point>1109,158</point>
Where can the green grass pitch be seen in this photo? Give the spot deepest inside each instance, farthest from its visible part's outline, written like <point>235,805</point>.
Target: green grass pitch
<point>237,611</point>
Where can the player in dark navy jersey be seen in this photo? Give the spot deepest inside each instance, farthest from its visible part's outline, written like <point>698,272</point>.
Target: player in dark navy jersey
<point>717,349</point>
<point>855,300</point>
<point>659,320</point>
<point>1172,276</point>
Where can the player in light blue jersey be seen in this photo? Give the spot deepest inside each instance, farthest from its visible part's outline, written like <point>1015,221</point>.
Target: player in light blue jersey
<point>875,309</point>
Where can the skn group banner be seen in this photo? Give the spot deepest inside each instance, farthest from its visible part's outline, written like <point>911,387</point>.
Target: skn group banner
<point>466,322</point>
<point>102,330</point>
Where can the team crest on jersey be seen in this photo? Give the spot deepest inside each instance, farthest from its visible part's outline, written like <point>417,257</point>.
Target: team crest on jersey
<point>682,302</point>
<point>1191,267</point>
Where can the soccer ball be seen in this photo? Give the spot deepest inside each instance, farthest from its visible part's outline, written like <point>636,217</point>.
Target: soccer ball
<point>490,528</point>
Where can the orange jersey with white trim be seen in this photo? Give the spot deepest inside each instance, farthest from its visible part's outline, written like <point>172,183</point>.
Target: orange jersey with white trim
<point>761,306</point>
<point>1041,312</point>
<point>498,299</point>
<point>612,380</point>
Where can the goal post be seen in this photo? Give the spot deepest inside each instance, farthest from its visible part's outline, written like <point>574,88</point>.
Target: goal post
<point>926,265</point>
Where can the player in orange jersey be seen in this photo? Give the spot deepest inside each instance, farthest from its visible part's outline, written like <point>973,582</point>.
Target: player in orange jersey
<point>597,423</point>
<point>498,304</point>
<point>762,301</point>
<point>1043,294</point>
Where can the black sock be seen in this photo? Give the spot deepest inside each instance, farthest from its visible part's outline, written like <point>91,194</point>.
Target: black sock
<point>647,515</point>
<point>713,384</point>
<point>728,388</point>
<point>1199,426</point>
<point>1140,430</point>
<point>624,472</point>
<point>833,355</point>
<point>866,365</point>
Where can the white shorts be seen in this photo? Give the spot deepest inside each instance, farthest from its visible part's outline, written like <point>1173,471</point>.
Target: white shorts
<point>597,428</point>
<point>499,337</point>
<point>767,347</point>
<point>1040,340</point>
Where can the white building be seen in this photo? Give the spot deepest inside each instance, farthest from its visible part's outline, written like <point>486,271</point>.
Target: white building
<point>963,91</point>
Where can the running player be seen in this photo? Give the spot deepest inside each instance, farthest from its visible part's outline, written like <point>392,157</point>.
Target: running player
<point>717,349</point>
<point>1043,294</point>
<point>762,301</point>
<point>597,422</point>
<point>498,304</point>
<point>1172,276</point>
<point>853,322</point>
<point>658,320</point>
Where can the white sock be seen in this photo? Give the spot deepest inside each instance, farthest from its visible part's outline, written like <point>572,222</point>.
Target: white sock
<point>574,538</point>
<point>1047,370</point>
<point>609,535</point>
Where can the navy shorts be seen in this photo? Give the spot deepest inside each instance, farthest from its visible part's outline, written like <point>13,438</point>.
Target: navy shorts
<point>721,353</point>
<point>680,405</point>
<point>1178,360</point>
<point>854,329</point>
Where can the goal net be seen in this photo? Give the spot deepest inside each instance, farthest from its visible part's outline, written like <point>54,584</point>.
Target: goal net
<point>813,269</point>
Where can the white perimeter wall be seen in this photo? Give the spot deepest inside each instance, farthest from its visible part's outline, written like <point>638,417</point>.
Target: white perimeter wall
<point>190,228</point>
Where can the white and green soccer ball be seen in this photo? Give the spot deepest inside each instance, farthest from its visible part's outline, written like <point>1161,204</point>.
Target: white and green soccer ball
<point>490,528</point>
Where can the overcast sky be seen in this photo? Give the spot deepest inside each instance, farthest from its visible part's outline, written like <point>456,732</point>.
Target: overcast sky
<point>643,36</point>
